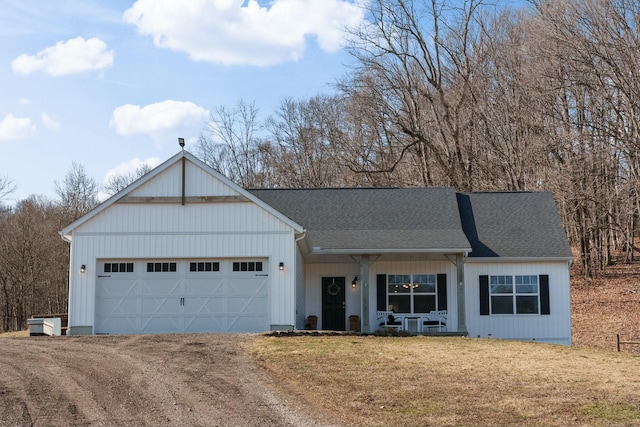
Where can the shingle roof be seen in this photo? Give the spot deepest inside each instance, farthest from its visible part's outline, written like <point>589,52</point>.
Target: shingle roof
<point>403,219</point>
<point>518,224</point>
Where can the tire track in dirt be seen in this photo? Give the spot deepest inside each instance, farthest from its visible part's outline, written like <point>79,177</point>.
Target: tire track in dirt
<point>139,380</point>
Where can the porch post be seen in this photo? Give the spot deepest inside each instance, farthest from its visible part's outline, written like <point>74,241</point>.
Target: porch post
<point>364,291</point>
<point>462,318</point>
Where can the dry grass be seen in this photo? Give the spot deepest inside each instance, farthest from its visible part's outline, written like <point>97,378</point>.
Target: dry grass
<point>420,381</point>
<point>14,334</point>
<point>605,306</point>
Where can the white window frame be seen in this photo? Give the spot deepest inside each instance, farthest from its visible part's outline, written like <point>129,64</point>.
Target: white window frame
<point>411,285</point>
<point>516,280</point>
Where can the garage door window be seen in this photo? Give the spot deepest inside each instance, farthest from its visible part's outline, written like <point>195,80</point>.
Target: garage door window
<point>204,266</point>
<point>118,267</point>
<point>161,267</point>
<point>247,266</point>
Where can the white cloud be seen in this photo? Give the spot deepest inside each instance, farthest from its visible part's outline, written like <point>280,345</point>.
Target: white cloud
<point>130,167</point>
<point>229,32</point>
<point>49,122</point>
<point>24,101</point>
<point>73,56</point>
<point>160,119</point>
<point>12,127</point>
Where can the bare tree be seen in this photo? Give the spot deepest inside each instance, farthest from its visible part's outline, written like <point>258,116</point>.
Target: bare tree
<point>33,262</point>
<point>118,182</point>
<point>232,145</point>
<point>6,187</point>
<point>304,136</point>
<point>78,192</point>
<point>414,64</point>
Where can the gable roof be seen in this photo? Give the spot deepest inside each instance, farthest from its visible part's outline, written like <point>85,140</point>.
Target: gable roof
<point>513,225</point>
<point>66,232</point>
<point>374,220</point>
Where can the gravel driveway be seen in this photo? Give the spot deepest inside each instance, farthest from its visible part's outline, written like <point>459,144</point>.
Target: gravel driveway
<point>153,380</point>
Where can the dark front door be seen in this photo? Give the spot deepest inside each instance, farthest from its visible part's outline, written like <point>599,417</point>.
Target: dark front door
<point>333,314</point>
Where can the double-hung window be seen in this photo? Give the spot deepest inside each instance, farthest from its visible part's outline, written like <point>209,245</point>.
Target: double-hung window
<point>514,294</point>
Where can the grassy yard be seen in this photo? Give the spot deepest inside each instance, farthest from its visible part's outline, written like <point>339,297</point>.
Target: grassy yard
<point>417,381</point>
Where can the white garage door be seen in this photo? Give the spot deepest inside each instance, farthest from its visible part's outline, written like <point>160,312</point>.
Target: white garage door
<point>171,296</point>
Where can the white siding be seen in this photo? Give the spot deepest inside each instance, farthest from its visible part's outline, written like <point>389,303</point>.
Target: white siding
<point>315,272</point>
<point>172,231</point>
<point>555,327</point>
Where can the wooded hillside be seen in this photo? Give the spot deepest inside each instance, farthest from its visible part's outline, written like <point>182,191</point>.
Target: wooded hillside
<point>469,94</point>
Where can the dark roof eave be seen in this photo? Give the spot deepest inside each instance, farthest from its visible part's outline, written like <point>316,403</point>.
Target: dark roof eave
<point>471,259</point>
<point>348,251</point>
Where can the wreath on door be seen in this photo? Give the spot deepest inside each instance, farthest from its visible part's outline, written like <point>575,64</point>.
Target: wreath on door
<point>333,289</point>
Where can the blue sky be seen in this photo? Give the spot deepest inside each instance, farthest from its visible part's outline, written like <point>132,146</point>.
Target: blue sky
<point>113,84</point>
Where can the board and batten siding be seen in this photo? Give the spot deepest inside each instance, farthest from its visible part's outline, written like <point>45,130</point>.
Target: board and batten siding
<point>416,267</point>
<point>553,328</point>
<point>315,272</point>
<point>131,231</point>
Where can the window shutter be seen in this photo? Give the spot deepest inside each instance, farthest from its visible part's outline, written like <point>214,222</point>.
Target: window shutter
<point>484,295</point>
<point>382,292</point>
<point>442,291</point>
<point>544,294</point>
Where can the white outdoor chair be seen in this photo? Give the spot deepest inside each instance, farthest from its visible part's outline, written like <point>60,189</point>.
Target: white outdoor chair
<point>436,319</point>
<point>386,319</point>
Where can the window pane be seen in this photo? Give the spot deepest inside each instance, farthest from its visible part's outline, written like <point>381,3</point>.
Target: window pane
<point>527,305</point>
<point>236,266</point>
<point>424,283</point>
<point>501,305</point>
<point>165,266</point>
<point>192,266</point>
<point>258,266</point>
<point>424,303</point>
<point>172,266</point>
<point>400,303</point>
<point>107,267</point>
<point>529,284</point>
<point>502,289</point>
<point>399,283</point>
<point>130,267</point>
<point>216,266</point>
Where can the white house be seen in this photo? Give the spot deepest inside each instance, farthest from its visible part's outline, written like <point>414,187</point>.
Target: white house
<point>184,249</point>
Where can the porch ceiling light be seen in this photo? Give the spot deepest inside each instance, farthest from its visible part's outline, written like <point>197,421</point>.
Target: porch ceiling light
<point>83,268</point>
<point>353,282</point>
<point>281,266</point>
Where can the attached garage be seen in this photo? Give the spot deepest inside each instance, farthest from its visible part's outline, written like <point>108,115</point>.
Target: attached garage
<point>173,296</point>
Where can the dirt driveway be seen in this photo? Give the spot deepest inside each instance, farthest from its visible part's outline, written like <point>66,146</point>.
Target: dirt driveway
<point>206,380</point>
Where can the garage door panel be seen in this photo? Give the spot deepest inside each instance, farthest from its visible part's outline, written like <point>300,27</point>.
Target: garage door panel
<point>117,288</point>
<point>201,305</point>
<point>166,324</point>
<point>206,324</point>
<point>247,324</point>
<point>145,301</point>
<point>159,306</point>
<point>116,306</point>
<point>247,305</point>
<point>162,286</point>
<point>247,286</point>
<point>210,286</point>
<point>117,325</point>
